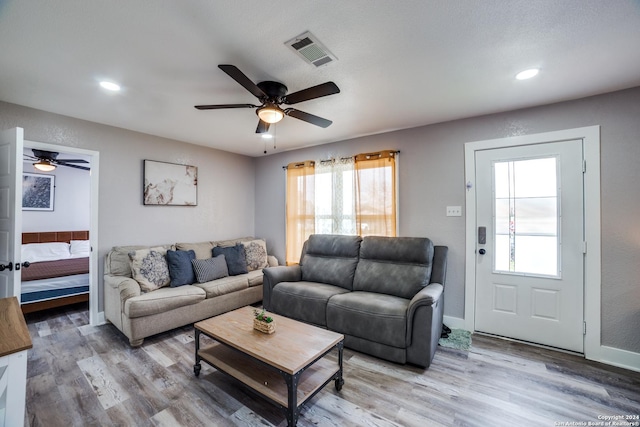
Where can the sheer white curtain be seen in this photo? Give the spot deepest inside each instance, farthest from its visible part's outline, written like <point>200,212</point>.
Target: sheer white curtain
<point>335,196</point>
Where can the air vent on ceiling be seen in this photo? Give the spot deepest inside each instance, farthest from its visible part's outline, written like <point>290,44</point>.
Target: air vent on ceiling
<point>311,50</point>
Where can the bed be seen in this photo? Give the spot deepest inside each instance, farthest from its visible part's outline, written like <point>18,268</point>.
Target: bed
<point>58,273</point>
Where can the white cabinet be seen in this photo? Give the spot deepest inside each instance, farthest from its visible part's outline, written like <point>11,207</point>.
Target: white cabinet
<point>14,343</point>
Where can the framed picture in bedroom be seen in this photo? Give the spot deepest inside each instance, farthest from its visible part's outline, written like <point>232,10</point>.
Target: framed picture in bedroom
<point>37,192</point>
<point>170,184</point>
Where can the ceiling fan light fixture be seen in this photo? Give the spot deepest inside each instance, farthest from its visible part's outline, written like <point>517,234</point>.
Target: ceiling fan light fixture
<point>44,166</point>
<point>270,114</point>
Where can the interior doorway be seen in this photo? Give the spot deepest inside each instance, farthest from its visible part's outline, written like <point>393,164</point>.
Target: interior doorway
<point>93,159</point>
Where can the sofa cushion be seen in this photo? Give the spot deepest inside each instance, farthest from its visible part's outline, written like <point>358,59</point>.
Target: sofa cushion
<point>149,268</point>
<point>371,316</point>
<point>180,268</point>
<point>235,257</point>
<point>256,278</point>
<point>225,285</point>
<point>304,301</point>
<point>232,242</point>
<point>255,254</point>
<point>331,259</point>
<point>398,266</point>
<point>163,300</point>
<point>118,263</point>
<point>210,269</point>
<point>202,249</point>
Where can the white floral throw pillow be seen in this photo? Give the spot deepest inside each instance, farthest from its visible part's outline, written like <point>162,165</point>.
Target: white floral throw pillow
<point>256,254</point>
<point>149,268</point>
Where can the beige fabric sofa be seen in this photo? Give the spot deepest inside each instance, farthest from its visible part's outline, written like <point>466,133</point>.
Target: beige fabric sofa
<point>139,315</point>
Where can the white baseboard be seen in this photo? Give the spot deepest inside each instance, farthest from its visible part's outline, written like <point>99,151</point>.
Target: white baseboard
<point>101,319</point>
<point>454,322</point>
<point>617,357</point>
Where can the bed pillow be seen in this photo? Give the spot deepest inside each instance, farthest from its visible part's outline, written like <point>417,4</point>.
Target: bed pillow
<point>80,248</point>
<point>149,268</point>
<point>38,252</point>
<point>255,254</point>
<point>210,269</point>
<point>235,257</point>
<point>180,268</point>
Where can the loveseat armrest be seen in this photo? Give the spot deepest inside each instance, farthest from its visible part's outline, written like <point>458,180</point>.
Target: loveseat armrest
<point>126,286</point>
<point>117,290</point>
<point>428,296</point>
<point>275,275</point>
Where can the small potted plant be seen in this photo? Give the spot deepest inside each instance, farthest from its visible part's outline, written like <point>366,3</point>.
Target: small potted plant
<point>262,322</point>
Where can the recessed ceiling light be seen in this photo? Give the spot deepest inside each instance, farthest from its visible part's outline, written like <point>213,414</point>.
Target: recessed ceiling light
<point>527,74</point>
<point>110,86</point>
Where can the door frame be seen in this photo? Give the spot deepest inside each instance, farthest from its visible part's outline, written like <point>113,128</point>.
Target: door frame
<point>93,223</point>
<point>592,266</point>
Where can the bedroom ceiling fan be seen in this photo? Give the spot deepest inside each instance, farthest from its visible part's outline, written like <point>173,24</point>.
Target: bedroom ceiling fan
<point>272,95</point>
<point>46,161</point>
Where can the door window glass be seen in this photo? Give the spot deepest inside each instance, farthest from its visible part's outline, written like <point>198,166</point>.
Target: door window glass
<point>526,216</point>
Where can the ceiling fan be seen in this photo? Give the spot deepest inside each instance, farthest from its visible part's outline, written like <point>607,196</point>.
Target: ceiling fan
<point>47,161</point>
<point>272,95</point>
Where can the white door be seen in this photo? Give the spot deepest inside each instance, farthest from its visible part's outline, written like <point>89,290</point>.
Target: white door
<point>530,243</point>
<point>11,142</point>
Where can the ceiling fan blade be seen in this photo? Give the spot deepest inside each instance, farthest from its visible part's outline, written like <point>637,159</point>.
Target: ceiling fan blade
<point>244,81</point>
<point>43,154</point>
<point>324,89</point>
<point>71,161</point>
<point>263,127</point>
<point>74,166</point>
<point>314,120</point>
<point>221,106</point>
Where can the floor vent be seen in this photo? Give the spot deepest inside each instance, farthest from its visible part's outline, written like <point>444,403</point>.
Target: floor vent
<point>311,50</point>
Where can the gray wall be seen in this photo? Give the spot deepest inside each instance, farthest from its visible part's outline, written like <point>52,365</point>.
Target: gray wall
<point>226,193</point>
<point>431,165</point>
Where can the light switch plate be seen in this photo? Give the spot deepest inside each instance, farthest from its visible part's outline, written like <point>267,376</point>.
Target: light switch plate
<point>454,210</point>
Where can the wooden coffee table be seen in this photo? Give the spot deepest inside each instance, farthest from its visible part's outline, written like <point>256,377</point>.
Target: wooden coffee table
<point>294,356</point>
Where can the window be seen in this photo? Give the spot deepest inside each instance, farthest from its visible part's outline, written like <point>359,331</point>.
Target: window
<point>351,196</point>
<point>526,216</point>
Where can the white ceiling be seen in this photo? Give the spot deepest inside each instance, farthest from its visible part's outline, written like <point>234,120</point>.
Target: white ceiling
<point>401,64</point>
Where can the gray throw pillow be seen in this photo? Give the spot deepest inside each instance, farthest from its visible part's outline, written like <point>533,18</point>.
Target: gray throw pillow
<point>235,257</point>
<point>210,269</point>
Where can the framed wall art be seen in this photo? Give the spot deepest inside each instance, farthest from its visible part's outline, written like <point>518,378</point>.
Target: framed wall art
<point>37,192</point>
<point>170,184</point>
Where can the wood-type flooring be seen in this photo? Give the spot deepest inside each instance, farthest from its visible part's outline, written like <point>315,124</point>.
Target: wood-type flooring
<point>80,375</point>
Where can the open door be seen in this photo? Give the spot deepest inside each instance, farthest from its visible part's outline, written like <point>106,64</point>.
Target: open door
<point>11,143</point>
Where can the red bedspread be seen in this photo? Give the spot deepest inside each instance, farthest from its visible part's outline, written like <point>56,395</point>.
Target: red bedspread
<point>50,269</point>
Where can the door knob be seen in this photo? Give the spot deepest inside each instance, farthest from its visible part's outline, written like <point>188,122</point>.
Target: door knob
<point>26,264</point>
<point>482,252</point>
<point>7,266</point>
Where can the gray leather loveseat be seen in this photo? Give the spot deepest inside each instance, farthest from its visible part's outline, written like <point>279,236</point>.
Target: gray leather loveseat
<point>384,294</point>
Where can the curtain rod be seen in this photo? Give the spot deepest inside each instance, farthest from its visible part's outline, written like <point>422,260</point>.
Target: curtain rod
<point>351,157</point>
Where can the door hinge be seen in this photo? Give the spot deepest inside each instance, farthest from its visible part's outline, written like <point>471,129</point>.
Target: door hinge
<point>584,328</point>
<point>584,247</point>
<point>584,166</point>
